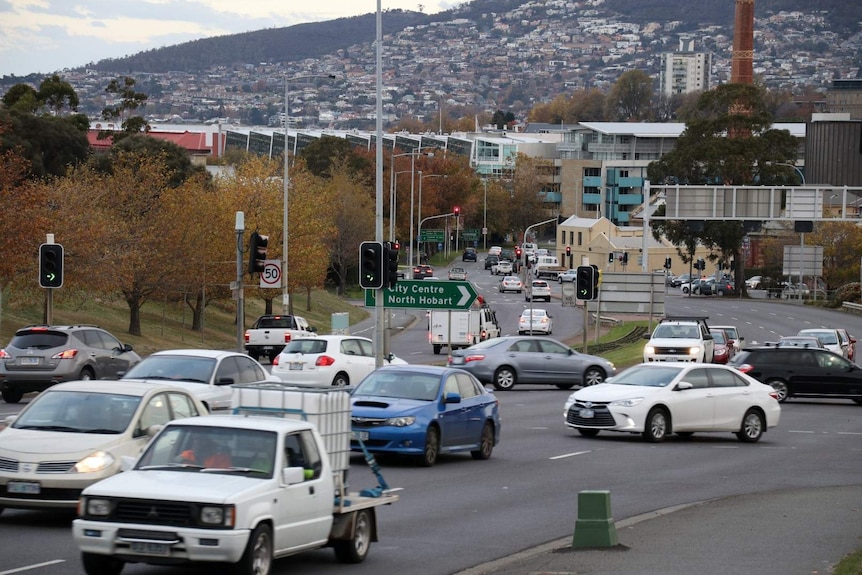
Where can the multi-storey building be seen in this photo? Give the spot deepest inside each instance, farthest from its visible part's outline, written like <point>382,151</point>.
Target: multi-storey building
<point>685,70</point>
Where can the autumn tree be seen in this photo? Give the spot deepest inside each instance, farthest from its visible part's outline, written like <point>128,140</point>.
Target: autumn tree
<point>353,220</point>
<point>525,205</point>
<point>842,247</point>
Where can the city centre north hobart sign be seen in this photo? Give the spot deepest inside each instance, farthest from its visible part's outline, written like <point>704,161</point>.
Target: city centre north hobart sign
<point>426,294</point>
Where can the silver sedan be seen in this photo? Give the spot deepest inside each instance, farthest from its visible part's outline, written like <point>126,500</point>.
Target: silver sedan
<point>508,361</point>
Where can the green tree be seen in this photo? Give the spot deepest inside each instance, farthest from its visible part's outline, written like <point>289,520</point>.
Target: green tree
<point>175,157</point>
<point>130,100</point>
<point>50,144</point>
<point>629,98</point>
<point>322,153</point>
<point>22,98</point>
<point>57,94</point>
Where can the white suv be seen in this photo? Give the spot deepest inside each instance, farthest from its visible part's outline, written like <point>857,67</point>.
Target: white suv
<point>538,289</point>
<point>680,339</point>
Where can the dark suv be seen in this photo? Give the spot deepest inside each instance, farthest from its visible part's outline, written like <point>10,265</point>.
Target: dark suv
<point>802,372</point>
<point>469,255</point>
<point>38,356</point>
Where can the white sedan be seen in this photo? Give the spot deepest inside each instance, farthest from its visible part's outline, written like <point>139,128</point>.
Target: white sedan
<point>657,399</point>
<point>76,433</point>
<point>539,321</point>
<point>207,373</point>
<point>328,360</point>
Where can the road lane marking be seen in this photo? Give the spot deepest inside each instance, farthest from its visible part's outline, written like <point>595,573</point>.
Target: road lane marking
<point>552,458</point>
<point>848,433</point>
<point>31,567</point>
<point>798,431</point>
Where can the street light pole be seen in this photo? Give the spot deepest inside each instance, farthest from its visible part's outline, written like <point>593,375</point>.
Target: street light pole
<point>419,208</point>
<point>485,217</point>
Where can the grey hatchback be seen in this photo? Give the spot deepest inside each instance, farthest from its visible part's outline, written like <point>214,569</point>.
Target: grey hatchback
<point>39,356</point>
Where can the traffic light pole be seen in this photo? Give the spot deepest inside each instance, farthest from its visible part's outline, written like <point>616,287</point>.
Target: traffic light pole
<point>240,297</point>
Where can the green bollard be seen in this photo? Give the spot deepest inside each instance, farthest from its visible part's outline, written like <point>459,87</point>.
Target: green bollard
<point>595,526</point>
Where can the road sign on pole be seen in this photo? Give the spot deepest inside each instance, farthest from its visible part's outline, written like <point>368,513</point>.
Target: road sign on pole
<point>270,275</point>
<point>424,294</point>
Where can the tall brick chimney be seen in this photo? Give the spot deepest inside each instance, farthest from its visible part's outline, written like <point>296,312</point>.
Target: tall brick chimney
<point>742,62</point>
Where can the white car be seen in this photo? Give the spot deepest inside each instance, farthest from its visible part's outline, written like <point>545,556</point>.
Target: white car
<point>207,373</point>
<point>538,289</point>
<point>539,322</point>
<point>656,400</point>
<point>568,276</point>
<point>511,283</point>
<point>328,360</point>
<point>76,433</point>
<point>831,339</point>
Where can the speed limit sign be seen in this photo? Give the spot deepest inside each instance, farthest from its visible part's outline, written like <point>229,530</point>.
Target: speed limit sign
<point>270,276</point>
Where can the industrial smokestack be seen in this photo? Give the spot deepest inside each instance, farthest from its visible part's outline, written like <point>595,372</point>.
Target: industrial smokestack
<point>742,62</point>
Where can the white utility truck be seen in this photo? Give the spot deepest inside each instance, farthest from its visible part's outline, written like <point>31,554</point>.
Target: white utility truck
<point>461,328</point>
<point>270,333</point>
<point>547,267</point>
<point>268,481</point>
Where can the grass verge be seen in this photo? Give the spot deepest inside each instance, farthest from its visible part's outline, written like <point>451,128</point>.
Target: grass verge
<point>849,565</point>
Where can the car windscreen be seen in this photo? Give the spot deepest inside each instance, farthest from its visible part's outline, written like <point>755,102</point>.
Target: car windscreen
<point>174,368</point>
<point>401,384</point>
<point>827,337</point>
<point>306,346</point>
<point>39,340</point>
<point>647,375</point>
<point>79,412</point>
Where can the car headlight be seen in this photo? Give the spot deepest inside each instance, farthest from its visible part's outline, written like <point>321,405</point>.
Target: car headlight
<point>694,350</point>
<point>218,515</point>
<point>94,462</point>
<point>631,402</point>
<point>649,349</point>
<point>100,507</point>
<point>400,421</point>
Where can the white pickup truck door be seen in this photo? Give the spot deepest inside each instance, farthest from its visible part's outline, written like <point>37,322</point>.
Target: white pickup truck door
<point>303,511</point>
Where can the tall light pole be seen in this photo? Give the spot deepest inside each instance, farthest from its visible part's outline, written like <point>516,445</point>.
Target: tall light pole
<point>485,217</point>
<point>393,203</point>
<point>412,154</point>
<point>285,290</point>
<point>419,210</point>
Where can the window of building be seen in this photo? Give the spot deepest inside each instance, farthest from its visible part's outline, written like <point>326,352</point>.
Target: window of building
<point>580,238</point>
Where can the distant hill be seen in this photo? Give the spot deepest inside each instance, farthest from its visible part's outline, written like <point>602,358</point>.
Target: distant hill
<point>319,38</point>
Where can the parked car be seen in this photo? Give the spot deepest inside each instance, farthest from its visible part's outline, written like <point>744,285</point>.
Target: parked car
<point>717,287</point>
<point>568,276</point>
<point>753,282</point>
<point>535,321</point>
<point>459,274</point>
<point>511,283</point>
<point>328,360</point>
<point>469,255</point>
<point>690,286</point>
<point>802,372</point>
<point>795,291</point>
<point>723,347</point>
<point>422,271</point>
<point>205,373</point>
<point>680,279</point>
<point>76,433</point>
<point>423,411</point>
<point>39,356</point>
<point>657,400</point>
<point>509,361</point>
<point>537,290</point>
<point>831,338</point>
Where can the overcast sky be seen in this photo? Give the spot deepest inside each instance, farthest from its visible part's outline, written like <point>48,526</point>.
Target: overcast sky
<point>43,36</point>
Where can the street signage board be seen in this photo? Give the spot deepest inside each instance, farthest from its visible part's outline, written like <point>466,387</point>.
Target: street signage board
<point>270,276</point>
<point>432,236</point>
<point>425,294</point>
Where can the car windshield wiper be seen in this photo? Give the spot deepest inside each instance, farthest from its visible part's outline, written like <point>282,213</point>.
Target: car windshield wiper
<point>101,430</point>
<point>50,428</point>
<point>172,466</point>
<point>244,470</point>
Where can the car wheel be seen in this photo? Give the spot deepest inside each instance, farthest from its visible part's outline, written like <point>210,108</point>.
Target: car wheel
<point>684,434</point>
<point>257,559</point>
<point>341,380</point>
<point>437,349</point>
<point>505,378</point>
<point>355,549</point>
<point>95,564</point>
<point>486,443</point>
<point>588,432</point>
<point>857,401</point>
<point>12,395</point>
<point>780,388</point>
<point>657,425</point>
<point>527,298</point>
<point>752,427</point>
<point>593,375</point>
<point>720,293</point>
<point>684,290</point>
<point>432,447</point>
<point>86,374</point>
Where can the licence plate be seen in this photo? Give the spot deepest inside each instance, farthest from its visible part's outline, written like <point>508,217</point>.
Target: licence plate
<point>147,548</point>
<point>587,413</point>
<point>28,487</point>
<point>29,361</point>
<point>295,366</point>
<point>360,436</point>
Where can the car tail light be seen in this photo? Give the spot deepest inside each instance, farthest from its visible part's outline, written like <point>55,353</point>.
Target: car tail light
<point>324,360</point>
<point>3,354</point>
<point>773,395</point>
<point>474,357</point>
<point>287,337</point>
<point>275,359</point>
<point>247,337</point>
<point>67,354</point>
<point>745,367</point>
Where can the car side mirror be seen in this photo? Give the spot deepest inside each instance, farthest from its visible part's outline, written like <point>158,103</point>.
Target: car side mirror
<point>646,336</point>
<point>127,347</point>
<point>683,385</point>
<point>452,398</point>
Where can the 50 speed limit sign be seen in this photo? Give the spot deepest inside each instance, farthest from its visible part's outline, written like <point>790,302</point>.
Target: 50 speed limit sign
<point>270,277</point>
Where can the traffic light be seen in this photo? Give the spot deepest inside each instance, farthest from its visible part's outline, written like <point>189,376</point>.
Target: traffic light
<point>457,210</point>
<point>586,283</point>
<point>51,265</point>
<point>625,259</point>
<point>701,265</point>
<point>667,263</point>
<point>391,253</point>
<point>257,252</point>
<point>371,270</point>
<point>568,251</point>
<point>610,257</point>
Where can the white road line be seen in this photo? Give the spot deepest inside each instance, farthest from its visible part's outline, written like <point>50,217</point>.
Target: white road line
<point>551,458</point>
<point>798,431</point>
<point>848,433</point>
<point>31,567</point>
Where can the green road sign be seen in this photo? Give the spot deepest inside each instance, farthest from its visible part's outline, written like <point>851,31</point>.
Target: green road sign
<point>422,294</point>
<point>432,236</point>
